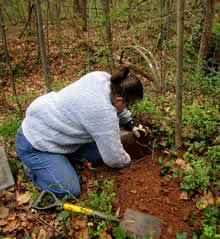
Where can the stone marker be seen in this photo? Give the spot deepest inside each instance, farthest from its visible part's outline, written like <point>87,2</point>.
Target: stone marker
<point>6,178</point>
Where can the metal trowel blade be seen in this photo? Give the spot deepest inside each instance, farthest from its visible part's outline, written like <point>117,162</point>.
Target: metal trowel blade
<point>140,224</point>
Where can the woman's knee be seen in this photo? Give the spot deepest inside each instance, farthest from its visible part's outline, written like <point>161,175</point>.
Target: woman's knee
<point>71,192</point>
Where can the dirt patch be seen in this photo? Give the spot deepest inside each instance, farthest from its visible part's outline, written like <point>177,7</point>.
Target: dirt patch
<point>141,187</point>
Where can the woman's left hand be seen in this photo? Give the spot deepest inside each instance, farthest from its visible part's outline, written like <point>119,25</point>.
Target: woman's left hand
<point>140,130</point>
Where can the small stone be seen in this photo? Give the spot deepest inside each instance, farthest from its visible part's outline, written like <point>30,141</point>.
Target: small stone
<point>133,191</point>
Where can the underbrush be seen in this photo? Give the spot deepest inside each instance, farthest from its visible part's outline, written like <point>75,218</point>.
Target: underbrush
<point>201,136</point>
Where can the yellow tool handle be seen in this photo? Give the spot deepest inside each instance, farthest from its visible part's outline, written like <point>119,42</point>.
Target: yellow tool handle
<point>78,209</point>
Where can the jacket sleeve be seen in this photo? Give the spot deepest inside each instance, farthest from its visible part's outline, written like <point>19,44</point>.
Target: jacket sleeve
<point>111,150</point>
<point>124,116</point>
<point>106,133</point>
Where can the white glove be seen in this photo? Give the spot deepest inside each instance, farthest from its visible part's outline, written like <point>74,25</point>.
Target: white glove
<point>138,129</point>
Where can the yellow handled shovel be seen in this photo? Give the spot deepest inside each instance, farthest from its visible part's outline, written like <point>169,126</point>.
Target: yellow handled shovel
<point>134,222</point>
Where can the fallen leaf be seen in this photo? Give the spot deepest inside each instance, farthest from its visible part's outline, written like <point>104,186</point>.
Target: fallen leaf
<point>23,198</point>
<point>22,216</point>
<point>183,164</point>
<point>4,212</point>
<point>12,216</point>
<point>207,199</point>
<point>3,222</point>
<point>33,235</point>
<point>42,234</point>
<point>12,225</point>
<point>184,196</point>
<point>104,235</point>
<point>167,109</point>
<point>82,234</point>
<point>90,224</point>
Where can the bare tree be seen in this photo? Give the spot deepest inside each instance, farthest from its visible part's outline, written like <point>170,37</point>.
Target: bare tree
<point>209,9</point>
<point>42,45</point>
<point>12,79</point>
<point>129,13</point>
<point>58,13</point>
<point>106,5</point>
<point>30,8</point>
<point>179,75</point>
<point>84,14</point>
<point>76,7</point>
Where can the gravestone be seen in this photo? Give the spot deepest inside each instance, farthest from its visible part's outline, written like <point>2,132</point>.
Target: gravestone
<point>6,178</point>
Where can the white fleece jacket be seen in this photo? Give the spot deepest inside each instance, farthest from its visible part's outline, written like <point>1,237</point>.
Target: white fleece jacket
<point>60,122</point>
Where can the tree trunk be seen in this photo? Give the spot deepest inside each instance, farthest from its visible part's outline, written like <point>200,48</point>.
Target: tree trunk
<point>36,27</point>
<point>106,5</point>
<point>84,14</point>
<point>30,8</point>
<point>129,14</point>
<point>9,18</point>
<point>76,8</point>
<point>208,16</point>
<point>42,45</point>
<point>58,12</point>
<point>179,75</point>
<point>48,12</point>
<point>12,80</point>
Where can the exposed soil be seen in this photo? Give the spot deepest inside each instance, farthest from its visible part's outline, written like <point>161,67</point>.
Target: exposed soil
<point>141,187</point>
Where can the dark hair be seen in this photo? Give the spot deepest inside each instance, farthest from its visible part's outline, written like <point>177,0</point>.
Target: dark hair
<point>125,85</point>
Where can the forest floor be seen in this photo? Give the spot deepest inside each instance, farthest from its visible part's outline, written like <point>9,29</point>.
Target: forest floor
<point>139,186</point>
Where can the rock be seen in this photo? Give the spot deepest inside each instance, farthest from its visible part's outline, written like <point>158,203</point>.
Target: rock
<point>133,191</point>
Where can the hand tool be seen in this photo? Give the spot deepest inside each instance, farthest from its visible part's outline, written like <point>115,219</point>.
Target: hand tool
<point>134,222</point>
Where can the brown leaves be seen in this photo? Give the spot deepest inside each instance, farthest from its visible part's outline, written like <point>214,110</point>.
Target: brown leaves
<point>206,199</point>
<point>23,198</point>
<point>42,234</point>
<point>184,196</point>
<point>79,224</point>
<point>104,235</point>
<point>4,212</point>
<point>12,225</point>
<point>183,164</point>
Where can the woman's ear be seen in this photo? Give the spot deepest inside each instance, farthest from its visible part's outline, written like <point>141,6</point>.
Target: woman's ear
<point>117,99</point>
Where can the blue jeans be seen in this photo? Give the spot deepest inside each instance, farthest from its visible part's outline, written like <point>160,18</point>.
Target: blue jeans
<point>51,171</point>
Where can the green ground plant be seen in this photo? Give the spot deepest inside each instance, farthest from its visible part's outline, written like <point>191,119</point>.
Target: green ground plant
<point>101,199</point>
<point>9,126</point>
<point>209,224</point>
<point>198,177</point>
<point>148,108</point>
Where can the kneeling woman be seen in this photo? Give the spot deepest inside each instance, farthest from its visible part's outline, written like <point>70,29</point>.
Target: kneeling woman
<point>80,121</point>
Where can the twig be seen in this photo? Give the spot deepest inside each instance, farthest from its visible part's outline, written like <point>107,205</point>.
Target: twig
<point>143,145</point>
<point>39,220</point>
<point>154,60</point>
<point>153,146</point>
<point>155,73</point>
<point>43,222</point>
